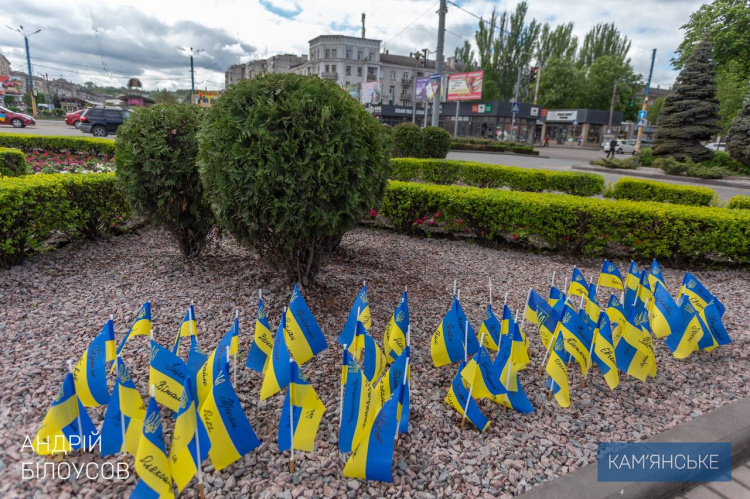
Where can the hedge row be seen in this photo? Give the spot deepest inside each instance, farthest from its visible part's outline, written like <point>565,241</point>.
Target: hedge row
<point>444,171</point>
<point>739,202</point>
<point>34,206</point>
<point>469,144</point>
<point>661,192</point>
<point>572,224</point>
<point>12,163</point>
<point>27,143</point>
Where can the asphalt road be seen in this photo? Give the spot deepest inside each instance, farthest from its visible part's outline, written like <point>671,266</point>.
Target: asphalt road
<point>48,127</point>
<point>566,158</point>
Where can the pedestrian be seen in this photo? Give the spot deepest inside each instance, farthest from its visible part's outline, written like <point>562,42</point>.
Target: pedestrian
<point>546,141</point>
<point>580,140</point>
<point>612,148</point>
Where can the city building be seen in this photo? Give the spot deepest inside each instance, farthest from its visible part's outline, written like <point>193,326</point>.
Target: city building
<point>4,68</point>
<point>235,73</point>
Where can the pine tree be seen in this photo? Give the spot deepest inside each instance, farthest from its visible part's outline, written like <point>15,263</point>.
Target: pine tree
<point>739,133</point>
<point>690,114</point>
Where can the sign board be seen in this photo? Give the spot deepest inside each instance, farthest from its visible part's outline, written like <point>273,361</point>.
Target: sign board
<point>641,123</point>
<point>516,107</point>
<point>487,108</point>
<point>544,113</point>
<point>465,86</point>
<point>353,90</point>
<point>569,116</point>
<point>642,115</point>
<point>205,98</point>
<point>575,122</point>
<point>534,111</point>
<point>370,93</point>
<point>435,76</point>
<point>423,84</point>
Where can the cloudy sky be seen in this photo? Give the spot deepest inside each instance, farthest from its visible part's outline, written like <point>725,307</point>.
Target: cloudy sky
<point>109,41</point>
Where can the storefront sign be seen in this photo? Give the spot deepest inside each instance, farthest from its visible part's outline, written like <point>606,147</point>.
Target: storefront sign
<point>569,116</point>
<point>465,86</point>
<point>370,93</point>
<point>534,111</point>
<point>544,113</point>
<point>481,108</point>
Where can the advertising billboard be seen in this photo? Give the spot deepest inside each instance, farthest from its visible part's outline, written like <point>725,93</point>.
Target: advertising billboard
<point>465,86</point>
<point>205,98</point>
<point>370,93</point>
<point>352,90</point>
<point>423,85</point>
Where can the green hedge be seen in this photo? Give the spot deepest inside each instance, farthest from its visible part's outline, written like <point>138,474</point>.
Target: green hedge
<point>472,144</point>
<point>27,143</point>
<point>739,202</point>
<point>34,206</point>
<point>662,192</point>
<point>445,171</point>
<point>12,163</point>
<point>572,224</point>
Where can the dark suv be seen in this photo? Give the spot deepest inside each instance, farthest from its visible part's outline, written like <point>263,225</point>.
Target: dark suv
<point>99,121</point>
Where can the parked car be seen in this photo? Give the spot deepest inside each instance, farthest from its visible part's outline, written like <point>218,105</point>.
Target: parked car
<point>624,146</point>
<point>16,120</point>
<point>100,121</point>
<point>74,118</point>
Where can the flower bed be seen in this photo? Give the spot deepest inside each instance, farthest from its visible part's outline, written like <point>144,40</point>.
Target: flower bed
<point>66,162</point>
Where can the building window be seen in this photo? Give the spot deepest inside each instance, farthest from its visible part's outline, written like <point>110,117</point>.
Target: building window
<point>333,53</point>
<point>346,83</point>
<point>359,55</point>
<point>406,75</point>
<point>328,68</point>
<point>328,54</point>
<point>392,90</point>
<point>348,71</point>
<point>406,91</point>
<point>348,53</point>
<point>393,74</point>
<point>359,70</point>
<point>420,74</point>
<point>370,56</point>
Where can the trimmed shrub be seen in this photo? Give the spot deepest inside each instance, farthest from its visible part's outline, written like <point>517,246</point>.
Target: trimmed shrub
<point>447,172</point>
<point>662,192</point>
<point>291,163</point>
<point>739,202</point>
<point>12,163</point>
<point>723,160</point>
<point>575,225</point>
<point>407,141</point>
<point>33,206</point>
<point>436,142</point>
<point>474,144</point>
<point>671,166</point>
<point>646,157</point>
<point>156,163</point>
<point>27,143</point>
<point>619,164</point>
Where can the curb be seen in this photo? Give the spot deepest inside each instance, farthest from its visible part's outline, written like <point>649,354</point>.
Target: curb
<point>726,424</point>
<point>673,178</point>
<point>496,152</point>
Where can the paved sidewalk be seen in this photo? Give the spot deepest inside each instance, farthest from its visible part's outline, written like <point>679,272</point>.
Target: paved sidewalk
<point>737,488</point>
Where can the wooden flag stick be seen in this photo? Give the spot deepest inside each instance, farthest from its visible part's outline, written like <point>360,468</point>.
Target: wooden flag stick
<point>490,290</point>
<point>552,284</point>
<point>234,357</point>
<point>565,285</point>
<point>505,300</point>
<point>455,281</point>
<point>466,341</point>
<point>523,315</point>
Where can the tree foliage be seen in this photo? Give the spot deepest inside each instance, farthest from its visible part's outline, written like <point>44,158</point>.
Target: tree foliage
<point>465,55</point>
<point>601,78</point>
<point>517,42</point>
<point>556,43</point>
<point>690,114</point>
<point>739,145</point>
<point>604,39</point>
<point>731,90</point>
<point>488,51</point>
<point>560,84</point>
<point>654,110</point>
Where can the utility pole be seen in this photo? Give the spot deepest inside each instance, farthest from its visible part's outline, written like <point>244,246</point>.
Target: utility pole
<point>439,61</point>
<point>28,64</point>
<point>515,101</point>
<point>612,106</point>
<point>538,78</point>
<point>416,55</point>
<point>645,102</point>
<point>192,70</point>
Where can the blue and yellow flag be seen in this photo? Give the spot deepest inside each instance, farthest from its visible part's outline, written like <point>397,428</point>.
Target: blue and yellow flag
<point>357,341</point>
<point>360,405</point>
<point>577,337</point>
<point>715,325</point>
<point>517,400</point>
<point>634,352</point>
<point>592,305</point>
<point>458,398</point>
<point>234,335</point>
<point>632,281</point>
<point>362,305</point>
<point>306,413</point>
<point>482,377</point>
<point>555,296</point>
<point>578,285</point>
<point>463,320</point>
<point>655,275</point>
<point>151,461</point>
<point>374,362</point>
<point>230,432</point>
<point>61,423</point>
<point>388,384</point>
<point>141,326</point>
<point>604,352</point>
<point>610,276</point>
<point>190,443</point>
<point>394,339</point>
<point>557,370</point>
<point>688,331</point>
<point>645,293</point>
<point>699,295</point>
<point>278,372</point>
<point>541,313</point>
<point>304,338</point>
<point>126,408</point>
<point>260,350</point>
<point>167,373</point>
<point>373,454</point>
<point>509,327</point>
<point>215,362</point>
<point>666,316</point>
<point>188,327</point>
<point>453,340</point>
<point>490,329</point>
<point>505,365</point>
<point>615,311</point>
<point>90,374</point>
<point>196,358</point>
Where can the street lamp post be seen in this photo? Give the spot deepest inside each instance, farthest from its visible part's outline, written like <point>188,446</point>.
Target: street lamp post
<point>416,55</point>
<point>192,71</point>
<point>28,64</point>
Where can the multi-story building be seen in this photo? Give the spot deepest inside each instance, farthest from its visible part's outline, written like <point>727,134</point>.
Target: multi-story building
<point>4,68</point>
<point>235,73</point>
<point>276,64</point>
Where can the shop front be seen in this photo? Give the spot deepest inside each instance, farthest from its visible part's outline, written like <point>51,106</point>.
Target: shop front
<point>578,127</point>
<point>392,115</point>
<point>492,120</point>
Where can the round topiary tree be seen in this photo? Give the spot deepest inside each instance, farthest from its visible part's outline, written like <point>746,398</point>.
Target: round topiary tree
<point>156,157</point>
<point>436,142</point>
<point>407,141</point>
<point>291,163</point>
<point>739,133</point>
<point>690,115</point>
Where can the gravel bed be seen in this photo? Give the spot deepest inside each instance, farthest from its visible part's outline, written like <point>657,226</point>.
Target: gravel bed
<point>51,307</point>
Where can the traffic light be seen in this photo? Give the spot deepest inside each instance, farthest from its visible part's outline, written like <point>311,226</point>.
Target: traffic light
<point>532,75</point>
<point>632,100</point>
